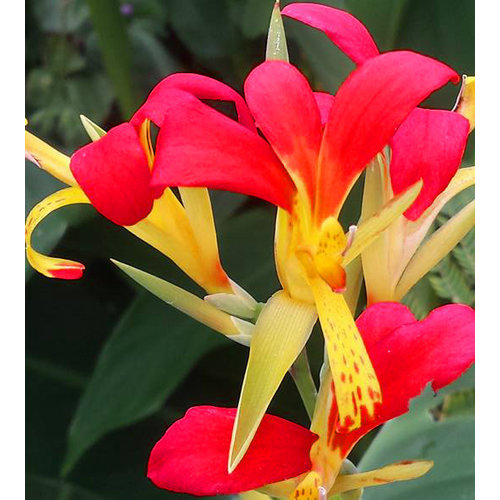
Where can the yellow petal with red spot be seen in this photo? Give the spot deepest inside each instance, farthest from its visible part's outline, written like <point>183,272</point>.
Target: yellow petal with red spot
<point>310,488</point>
<point>48,158</point>
<point>280,334</point>
<point>357,390</point>
<point>401,471</point>
<point>53,267</point>
<point>328,257</point>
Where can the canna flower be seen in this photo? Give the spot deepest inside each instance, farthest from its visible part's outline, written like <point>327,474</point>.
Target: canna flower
<point>287,460</point>
<point>428,145</point>
<point>113,173</point>
<point>307,169</point>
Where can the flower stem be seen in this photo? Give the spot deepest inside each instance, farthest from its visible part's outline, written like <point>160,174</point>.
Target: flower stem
<point>301,374</point>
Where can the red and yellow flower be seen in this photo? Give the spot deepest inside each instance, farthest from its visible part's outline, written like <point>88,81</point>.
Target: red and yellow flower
<point>285,459</point>
<point>428,145</point>
<point>307,168</point>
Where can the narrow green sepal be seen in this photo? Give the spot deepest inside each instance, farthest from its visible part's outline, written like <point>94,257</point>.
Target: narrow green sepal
<point>182,300</point>
<point>93,130</point>
<point>276,48</point>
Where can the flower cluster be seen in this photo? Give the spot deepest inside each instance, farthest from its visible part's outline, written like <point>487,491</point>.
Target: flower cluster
<point>302,151</point>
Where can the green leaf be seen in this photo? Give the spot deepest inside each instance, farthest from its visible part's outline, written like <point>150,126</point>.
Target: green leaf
<point>450,283</point>
<point>465,253</point>
<point>116,50</point>
<point>46,488</point>
<point>148,354</point>
<point>449,442</point>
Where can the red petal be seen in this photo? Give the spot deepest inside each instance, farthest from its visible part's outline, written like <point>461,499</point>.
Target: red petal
<point>113,172</point>
<point>437,349</point>
<point>286,112</point>
<point>324,102</point>
<point>408,354</point>
<point>203,87</point>
<point>428,145</point>
<point>192,455</point>
<point>198,146</point>
<point>367,110</point>
<point>343,29</point>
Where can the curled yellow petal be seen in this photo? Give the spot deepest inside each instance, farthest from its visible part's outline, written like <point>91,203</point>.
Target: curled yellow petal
<point>48,158</point>
<point>280,334</point>
<point>466,103</point>
<point>400,471</point>
<point>357,389</point>
<point>53,267</point>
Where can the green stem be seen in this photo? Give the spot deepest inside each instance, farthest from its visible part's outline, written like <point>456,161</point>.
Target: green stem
<point>301,374</point>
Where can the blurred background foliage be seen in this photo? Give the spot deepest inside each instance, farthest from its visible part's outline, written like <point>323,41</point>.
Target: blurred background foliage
<point>109,366</point>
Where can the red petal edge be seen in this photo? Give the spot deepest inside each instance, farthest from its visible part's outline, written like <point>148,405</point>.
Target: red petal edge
<point>192,455</point>
<point>429,145</point>
<point>113,172</point>
<point>367,110</point>
<point>286,112</point>
<point>159,101</point>
<point>342,28</point>
<point>408,354</point>
<point>198,146</point>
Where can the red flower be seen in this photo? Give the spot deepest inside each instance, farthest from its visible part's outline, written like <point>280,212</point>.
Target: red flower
<point>407,354</point>
<point>198,146</point>
<point>430,143</point>
<point>115,171</point>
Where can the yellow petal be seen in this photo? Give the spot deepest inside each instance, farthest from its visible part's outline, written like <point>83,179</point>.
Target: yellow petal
<point>401,471</point>
<point>375,258</point>
<point>328,256</point>
<point>254,495</point>
<point>182,300</point>
<point>310,488</point>
<point>48,158</point>
<point>356,383</point>
<point>53,267</point>
<point>280,334</point>
<point>412,233</point>
<point>196,201</point>
<point>147,144</point>
<point>466,103</point>
<point>435,248</point>
<point>370,229</point>
<point>325,456</point>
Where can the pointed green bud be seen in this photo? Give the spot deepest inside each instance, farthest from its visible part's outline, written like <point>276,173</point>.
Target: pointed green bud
<point>93,130</point>
<point>276,48</point>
